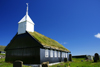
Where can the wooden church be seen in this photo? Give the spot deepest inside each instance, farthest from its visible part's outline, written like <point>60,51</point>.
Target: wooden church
<point>32,47</point>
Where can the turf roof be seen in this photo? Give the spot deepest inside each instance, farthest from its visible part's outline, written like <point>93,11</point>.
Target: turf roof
<point>46,41</point>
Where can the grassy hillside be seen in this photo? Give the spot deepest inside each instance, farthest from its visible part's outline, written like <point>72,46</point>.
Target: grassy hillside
<point>2,48</point>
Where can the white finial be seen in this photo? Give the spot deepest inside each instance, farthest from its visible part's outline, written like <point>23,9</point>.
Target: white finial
<point>27,9</point>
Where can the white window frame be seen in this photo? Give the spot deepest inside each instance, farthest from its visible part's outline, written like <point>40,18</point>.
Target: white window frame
<point>62,54</point>
<point>55,53</point>
<point>66,55</point>
<point>46,53</point>
<point>58,53</point>
<point>51,53</point>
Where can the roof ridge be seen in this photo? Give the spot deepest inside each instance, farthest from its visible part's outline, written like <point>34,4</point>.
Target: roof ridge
<point>26,18</point>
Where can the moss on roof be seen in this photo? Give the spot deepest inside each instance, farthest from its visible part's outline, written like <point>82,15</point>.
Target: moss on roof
<point>46,41</point>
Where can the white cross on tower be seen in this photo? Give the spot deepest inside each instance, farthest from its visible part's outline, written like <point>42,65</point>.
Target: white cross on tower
<point>27,9</point>
<point>25,24</point>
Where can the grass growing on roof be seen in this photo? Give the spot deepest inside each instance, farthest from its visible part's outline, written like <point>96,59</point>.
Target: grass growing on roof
<point>46,41</point>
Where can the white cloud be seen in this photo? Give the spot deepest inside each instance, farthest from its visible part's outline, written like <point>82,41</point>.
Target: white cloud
<point>64,43</point>
<point>97,35</point>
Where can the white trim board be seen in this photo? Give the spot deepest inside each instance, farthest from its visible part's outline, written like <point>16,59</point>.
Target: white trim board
<point>39,65</point>
<point>50,64</point>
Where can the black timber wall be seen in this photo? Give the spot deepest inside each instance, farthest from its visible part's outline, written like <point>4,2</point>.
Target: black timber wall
<point>27,55</point>
<point>23,41</point>
<point>50,59</point>
<point>23,47</point>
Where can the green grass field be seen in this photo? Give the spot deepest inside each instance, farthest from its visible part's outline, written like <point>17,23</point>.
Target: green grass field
<point>77,63</point>
<point>4,64</point>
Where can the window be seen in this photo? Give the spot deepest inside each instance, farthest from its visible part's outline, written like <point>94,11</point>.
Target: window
<point>62,54</point>
<point>46,53</point>
<point>58,53</point>
<point>66,55</point>
<point>55,53</point>
<point>51,53</point>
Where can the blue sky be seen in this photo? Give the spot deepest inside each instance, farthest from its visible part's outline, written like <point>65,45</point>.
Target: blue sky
<point>73,23</point>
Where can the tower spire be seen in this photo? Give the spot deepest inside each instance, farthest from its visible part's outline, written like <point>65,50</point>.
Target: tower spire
<point>25,24</point>
<point>27,9</point>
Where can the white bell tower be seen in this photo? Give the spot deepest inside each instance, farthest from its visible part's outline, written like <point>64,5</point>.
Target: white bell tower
<point>25,24</point>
